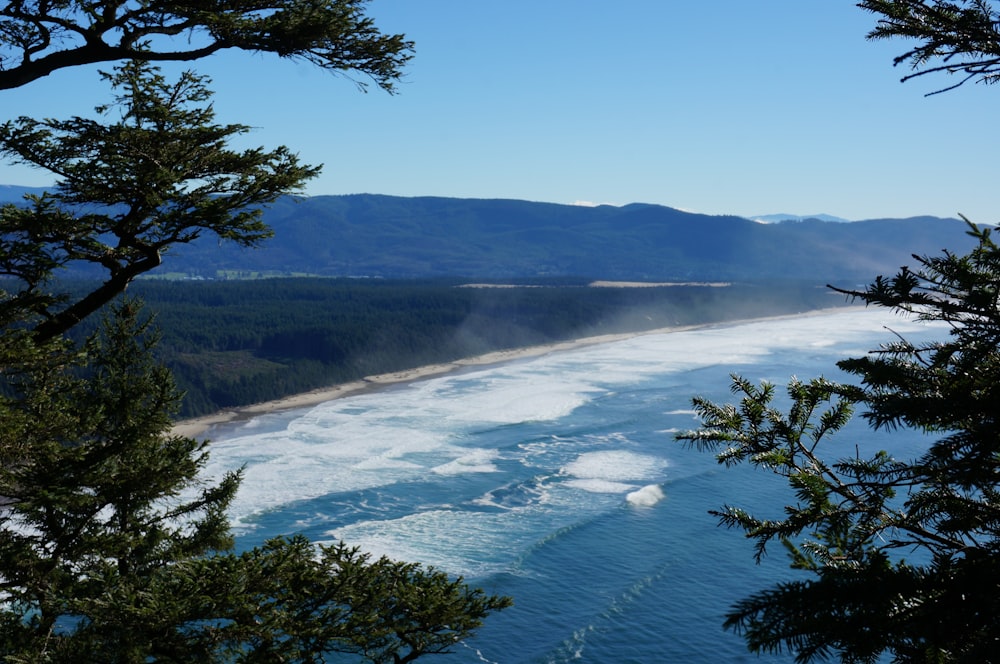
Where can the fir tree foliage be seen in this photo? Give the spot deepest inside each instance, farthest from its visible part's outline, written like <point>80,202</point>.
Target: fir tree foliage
<point>100,502</point>
<point>959,37</point>
<point>156,173</point>
<point>38,37</point>
<point>114,548</point>
<point>903,554</point>
<point>297,604</point>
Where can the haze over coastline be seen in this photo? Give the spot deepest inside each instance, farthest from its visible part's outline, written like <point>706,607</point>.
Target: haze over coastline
<point>202,426</point>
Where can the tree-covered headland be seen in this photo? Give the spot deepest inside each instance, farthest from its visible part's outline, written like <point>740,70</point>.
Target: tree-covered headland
<point>112,547</point>
<point>900,556</point>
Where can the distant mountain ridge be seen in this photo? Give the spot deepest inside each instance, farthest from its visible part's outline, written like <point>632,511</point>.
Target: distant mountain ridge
<point>10,193</point>
<point>773,218</point>
<point>369,235</point>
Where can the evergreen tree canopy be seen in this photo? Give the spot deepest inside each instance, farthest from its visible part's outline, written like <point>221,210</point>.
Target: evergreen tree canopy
<point>99,502</point>
<point>38,37</point>
<point>904,553</point>
<point>158,173</point>
<point>114,548</point>
<point>952,36</point>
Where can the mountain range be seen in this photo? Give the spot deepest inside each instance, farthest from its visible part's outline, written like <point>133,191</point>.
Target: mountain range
<point>368,235</point>
<point>771,218</point>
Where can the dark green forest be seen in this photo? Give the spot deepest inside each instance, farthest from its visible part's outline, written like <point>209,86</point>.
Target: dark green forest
<point>235,343</point>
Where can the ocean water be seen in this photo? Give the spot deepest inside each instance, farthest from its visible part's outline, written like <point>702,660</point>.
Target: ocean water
<point>557,480</point>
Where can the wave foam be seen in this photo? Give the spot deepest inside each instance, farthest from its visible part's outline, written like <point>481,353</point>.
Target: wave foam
<point>516,397</point>
<point>600,486</point>
<point>477,461</point>
<point>615,466</point>
<point>470,544</point>
<point>421,431</point>
<point>647,496</point>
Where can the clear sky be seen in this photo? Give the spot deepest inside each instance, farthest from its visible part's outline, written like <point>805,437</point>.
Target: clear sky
<point>724,107</point>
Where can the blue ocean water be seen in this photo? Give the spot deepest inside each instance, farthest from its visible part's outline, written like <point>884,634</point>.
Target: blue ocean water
<point>556,480</point>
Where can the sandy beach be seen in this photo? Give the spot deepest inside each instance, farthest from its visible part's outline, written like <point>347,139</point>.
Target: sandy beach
<point>198,426</point>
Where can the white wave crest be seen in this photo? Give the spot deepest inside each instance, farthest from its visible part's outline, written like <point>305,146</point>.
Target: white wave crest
<point>647,496</point>
<point>600,486</point>
<point>615,466</point>
<point>476,461</point>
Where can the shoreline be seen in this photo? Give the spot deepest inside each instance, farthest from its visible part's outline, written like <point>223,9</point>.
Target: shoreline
<point>198,426</point>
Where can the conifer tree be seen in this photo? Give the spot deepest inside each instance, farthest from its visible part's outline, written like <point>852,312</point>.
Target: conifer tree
<point>114,549</point>
<point>903,553</point>
<point>156,174</point>
<point>39,37</point>
<point>100,501</point>
<point>960,37</point>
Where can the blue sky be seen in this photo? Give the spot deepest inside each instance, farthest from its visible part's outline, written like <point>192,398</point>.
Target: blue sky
<point>724,107</point>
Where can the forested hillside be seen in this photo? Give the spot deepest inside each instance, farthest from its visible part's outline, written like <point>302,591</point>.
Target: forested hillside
<point>393,237</point>
<point>387,236</point>
<point>240,342</point>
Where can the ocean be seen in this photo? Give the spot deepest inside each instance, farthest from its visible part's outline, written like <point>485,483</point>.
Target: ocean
<point>557,480</point>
